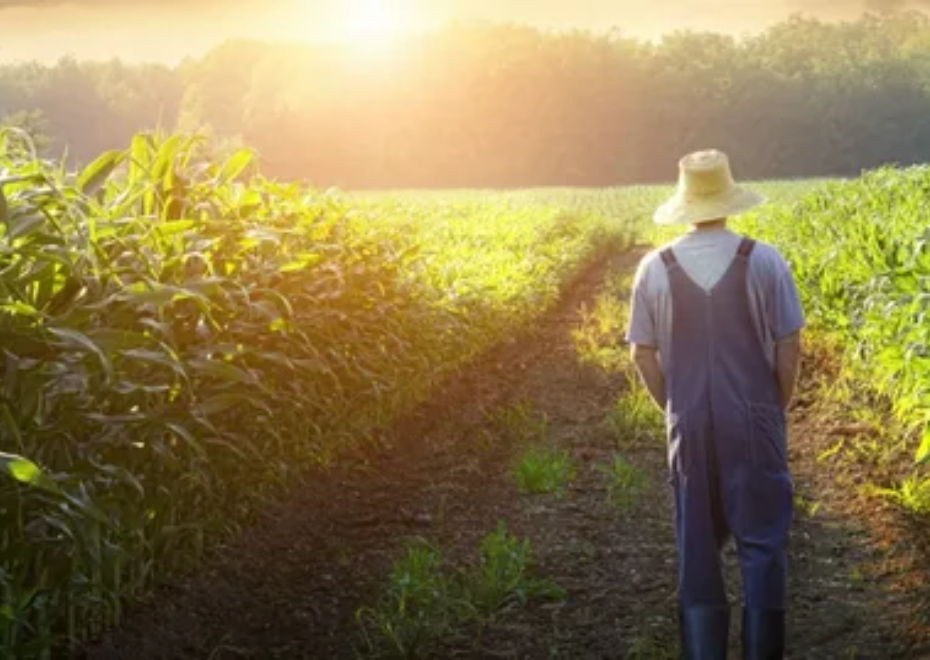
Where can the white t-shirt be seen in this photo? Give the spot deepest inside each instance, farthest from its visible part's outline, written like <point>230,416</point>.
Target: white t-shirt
<point>705,256</point>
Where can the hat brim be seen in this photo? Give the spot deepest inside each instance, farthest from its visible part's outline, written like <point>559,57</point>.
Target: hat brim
<point>680,211</point>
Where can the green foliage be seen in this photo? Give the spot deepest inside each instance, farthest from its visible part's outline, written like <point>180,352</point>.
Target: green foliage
<point>806,505</point>
<point>913,494</point>
<point>183,336</point>
<point>778,194</point>
<point>520,423</point>
<point>29,131</point>
<point>650,648</point>
<point>861,255</point>
<point>625,483</point>
<point>544,468</point>
<point>418,607</point>
<point>426,600</point>
<point>504,574</point>
<point>514,106</point>
<point>635,419</point>
<point>598,339</point>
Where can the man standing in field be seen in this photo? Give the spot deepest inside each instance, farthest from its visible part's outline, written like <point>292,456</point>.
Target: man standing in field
<point>715,334</point>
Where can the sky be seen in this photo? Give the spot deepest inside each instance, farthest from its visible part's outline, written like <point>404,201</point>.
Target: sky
<point>169,30</point>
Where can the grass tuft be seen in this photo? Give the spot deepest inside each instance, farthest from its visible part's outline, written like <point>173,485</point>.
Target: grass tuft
<point>635,420</point>
<point>426,599</point>
<point>544,468</point>
<point>625,483</point>
<point>912,494</point>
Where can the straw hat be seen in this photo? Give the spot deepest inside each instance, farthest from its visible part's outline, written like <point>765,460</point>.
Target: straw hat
<point>706,191</point>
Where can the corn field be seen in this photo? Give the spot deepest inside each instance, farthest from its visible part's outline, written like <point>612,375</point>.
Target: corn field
<point>860,250</point>
<point>181,337</point>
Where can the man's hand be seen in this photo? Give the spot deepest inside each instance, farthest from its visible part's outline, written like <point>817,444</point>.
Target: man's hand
<point>787,365</point>
<point>646,359</point>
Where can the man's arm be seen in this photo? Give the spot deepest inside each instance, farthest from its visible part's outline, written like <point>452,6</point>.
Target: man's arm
<point>787,365</point>
<point>646,359</point>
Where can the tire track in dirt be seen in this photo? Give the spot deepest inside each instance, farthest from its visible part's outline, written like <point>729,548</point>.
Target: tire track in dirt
<point>290,587</point>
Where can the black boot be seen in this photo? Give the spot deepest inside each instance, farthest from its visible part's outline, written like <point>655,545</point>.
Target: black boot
<point>704,633</point>
<point>763,634</point>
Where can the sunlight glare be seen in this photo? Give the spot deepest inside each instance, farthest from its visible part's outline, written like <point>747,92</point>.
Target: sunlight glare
<point>367,21</point>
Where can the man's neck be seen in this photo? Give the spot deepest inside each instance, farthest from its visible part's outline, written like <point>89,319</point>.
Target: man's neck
<point>712,225</point>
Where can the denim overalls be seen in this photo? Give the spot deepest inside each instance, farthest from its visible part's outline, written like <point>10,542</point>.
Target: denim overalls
<point>727,456</point>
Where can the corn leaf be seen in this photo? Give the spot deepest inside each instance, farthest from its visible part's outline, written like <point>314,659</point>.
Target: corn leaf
<point>923,452</point>
<point>95,175</point>
<point>26,472</point>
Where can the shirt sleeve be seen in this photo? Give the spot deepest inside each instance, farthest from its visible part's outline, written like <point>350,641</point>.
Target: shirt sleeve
<point>642,326</point>
<point>786,313</point>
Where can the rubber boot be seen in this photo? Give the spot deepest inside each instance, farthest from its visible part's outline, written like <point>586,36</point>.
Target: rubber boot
<point>763,634</point>
<point>704,633</point>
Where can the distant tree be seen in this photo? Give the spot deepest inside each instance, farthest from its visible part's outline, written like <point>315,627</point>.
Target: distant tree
<point>510,105</point>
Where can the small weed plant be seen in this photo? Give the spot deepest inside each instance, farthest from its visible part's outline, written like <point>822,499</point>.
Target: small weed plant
<point>626,483</point>
<point>417,606</point>
<point>635,419</point>
<point>544,468</point>
<point>597,338</point>
<point>505,574</point>
<point>426,599</point>
<point>648,648</point>
<point>912,494</point>
<point>520,423</point>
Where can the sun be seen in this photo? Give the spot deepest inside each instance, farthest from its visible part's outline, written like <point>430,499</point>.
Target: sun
<point>371,21</point>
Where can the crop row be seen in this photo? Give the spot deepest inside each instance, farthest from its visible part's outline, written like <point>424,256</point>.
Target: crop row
<point>180,337</point>
<point>860,250</point>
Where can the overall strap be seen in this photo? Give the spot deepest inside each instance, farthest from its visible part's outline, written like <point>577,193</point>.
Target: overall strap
<point>745,249</point>
<point>669,259</point>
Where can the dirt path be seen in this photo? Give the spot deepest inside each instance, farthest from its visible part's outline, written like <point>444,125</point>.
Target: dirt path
<point>290,587</point>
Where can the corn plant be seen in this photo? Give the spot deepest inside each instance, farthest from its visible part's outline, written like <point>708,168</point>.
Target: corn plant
<point>860,251</point>
<point>419,605</point>
<point>598,339</point>
<point>625,483</point>
<point>543,467</point>
<point>635,420</point>
<point>427,599</point>
<point>506,573</point>
<point>181,337</point>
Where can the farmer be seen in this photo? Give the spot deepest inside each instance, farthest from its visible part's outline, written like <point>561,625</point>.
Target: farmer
<point>715,335</point>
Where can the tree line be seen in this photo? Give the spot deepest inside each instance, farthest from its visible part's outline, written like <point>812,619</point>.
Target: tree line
<point>509,105</point>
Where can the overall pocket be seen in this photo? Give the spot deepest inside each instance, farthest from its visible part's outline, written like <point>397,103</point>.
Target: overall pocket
<point>768,436</point>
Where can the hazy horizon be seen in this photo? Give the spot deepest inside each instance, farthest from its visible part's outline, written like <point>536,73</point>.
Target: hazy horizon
<point>170,30</point>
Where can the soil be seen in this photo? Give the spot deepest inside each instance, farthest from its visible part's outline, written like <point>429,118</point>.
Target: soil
<point>290,586</point>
